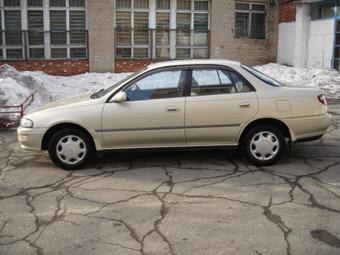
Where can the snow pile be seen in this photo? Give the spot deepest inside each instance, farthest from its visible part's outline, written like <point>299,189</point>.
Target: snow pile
<point>11,92</point>
<point>16,86</point>
<point>328,80</point>
<point>62,87</point>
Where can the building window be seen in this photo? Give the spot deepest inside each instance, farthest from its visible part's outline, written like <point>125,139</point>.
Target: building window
<point>68,29</point>
<point>24,34</point>
<point>323,10</point>
<point>250,20</point>
<point>132,29</point>
<point>192,21</point>
<point>35,22</point>
<point>11,38</point>
<point>163,35</point>
<point>158,30</point>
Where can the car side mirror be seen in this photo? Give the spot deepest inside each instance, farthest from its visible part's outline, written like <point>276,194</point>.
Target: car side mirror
<point>119,97</point>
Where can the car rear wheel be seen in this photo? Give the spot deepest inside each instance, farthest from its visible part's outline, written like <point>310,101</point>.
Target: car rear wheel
<point>70,149</point>
<point>263,145</point>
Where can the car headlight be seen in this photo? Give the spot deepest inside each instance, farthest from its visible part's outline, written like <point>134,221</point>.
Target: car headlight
<point>26,123</point>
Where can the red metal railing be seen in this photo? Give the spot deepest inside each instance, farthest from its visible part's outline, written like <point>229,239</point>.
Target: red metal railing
<point>14,109</point>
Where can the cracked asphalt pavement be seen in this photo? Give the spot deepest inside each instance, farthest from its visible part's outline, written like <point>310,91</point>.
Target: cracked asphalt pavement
<point>198,202</point>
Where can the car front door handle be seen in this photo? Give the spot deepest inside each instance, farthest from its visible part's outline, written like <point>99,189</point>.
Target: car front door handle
<point>173,109</point>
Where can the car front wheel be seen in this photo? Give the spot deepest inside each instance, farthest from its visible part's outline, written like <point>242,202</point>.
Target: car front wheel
<point>263,145</point>
<point>70,149</point>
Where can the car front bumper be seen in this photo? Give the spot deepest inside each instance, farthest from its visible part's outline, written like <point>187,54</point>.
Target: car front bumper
<point>30,138</point>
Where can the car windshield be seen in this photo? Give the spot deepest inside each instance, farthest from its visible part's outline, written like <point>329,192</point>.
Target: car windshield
<point>103,92</point>
<point>263,77</point>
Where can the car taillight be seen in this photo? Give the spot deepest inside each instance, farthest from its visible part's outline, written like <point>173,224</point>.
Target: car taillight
<point>322,100</point>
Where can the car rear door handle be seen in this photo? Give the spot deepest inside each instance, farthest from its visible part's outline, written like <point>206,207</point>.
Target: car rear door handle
<point>246,105</point>
<point>173,109</point>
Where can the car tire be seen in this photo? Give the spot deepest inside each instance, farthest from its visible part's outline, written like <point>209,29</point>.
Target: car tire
<point>70,149</point>
<point>263,145</point>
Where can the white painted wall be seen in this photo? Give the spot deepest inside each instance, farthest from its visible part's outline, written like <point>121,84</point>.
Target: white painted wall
<point>306,43</point>
<point>301,34</point>
<point>286,43</point>
<point>320,43</point>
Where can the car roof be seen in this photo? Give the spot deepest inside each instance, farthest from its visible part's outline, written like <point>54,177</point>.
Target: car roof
<point>193,62</point>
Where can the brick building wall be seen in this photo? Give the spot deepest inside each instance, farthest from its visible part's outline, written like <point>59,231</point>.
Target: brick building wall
<point>249,51</point>
<point>52,67</point>
<point>101,35</point>
<point>131,65</point>
<point>287,11</point>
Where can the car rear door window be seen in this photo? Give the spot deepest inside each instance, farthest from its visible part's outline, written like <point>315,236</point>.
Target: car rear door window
<point>163,84</point>
<point>211,82</point>
<point>214,81</point>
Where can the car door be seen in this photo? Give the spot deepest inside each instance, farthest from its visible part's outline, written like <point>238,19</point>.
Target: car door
<point>219,103</point>
<point>152,116</point>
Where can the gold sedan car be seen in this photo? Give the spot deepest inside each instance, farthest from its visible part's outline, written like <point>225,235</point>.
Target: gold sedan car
<point>193,103</point>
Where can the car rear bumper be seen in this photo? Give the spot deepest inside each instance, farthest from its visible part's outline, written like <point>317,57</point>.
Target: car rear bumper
<point>30,138</point>
<point>308,128</point>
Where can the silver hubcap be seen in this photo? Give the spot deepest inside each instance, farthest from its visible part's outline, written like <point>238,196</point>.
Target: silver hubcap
<point>264,145</point>
<point>71,149</point>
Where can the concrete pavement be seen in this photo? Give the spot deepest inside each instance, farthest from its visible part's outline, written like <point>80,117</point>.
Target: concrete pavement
<point>199,202</point>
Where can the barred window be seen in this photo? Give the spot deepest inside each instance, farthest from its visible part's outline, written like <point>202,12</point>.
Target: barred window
<point>77,27</point>
<point>58,27</point>
<point>77,3</point>
<point>25,34</point>
<point>163,4</point>
<point>250,20</point>
<point>13,41</point>
<point>163,35</point>
<point>57,3</point>
<point>68,37</point>
<point>192,29</point>
<point>154,29</point>
<point>184,4</point>
<point>34,3</point>
<point>12,3</point>
<point>322,10</point>
<point>35,20</point>
<point>132,29</point>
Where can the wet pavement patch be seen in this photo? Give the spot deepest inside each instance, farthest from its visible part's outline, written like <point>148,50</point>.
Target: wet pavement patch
<point>326,237</point>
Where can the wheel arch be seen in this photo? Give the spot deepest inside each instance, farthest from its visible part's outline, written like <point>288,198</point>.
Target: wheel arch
<point>51,131</point>
<point>266,121</point>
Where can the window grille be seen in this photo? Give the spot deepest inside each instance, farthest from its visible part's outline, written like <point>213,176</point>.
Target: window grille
<point>24,34</point>
<point>250,20</point>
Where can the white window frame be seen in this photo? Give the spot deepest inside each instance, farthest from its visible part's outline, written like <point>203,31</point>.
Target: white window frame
<point>132,11</point>
<point>173,15</point>
<point>46,17</point>
<point>192,47</point>
<point>24,17</point>
<point>250,12</point>
<point>172,38</point>
<point>68,46</point>
<point>4,46</point>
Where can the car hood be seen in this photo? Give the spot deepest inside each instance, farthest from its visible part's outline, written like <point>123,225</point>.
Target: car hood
<point>63,102</point>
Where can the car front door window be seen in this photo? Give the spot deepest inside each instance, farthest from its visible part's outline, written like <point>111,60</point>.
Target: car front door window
<point>163,84</point>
